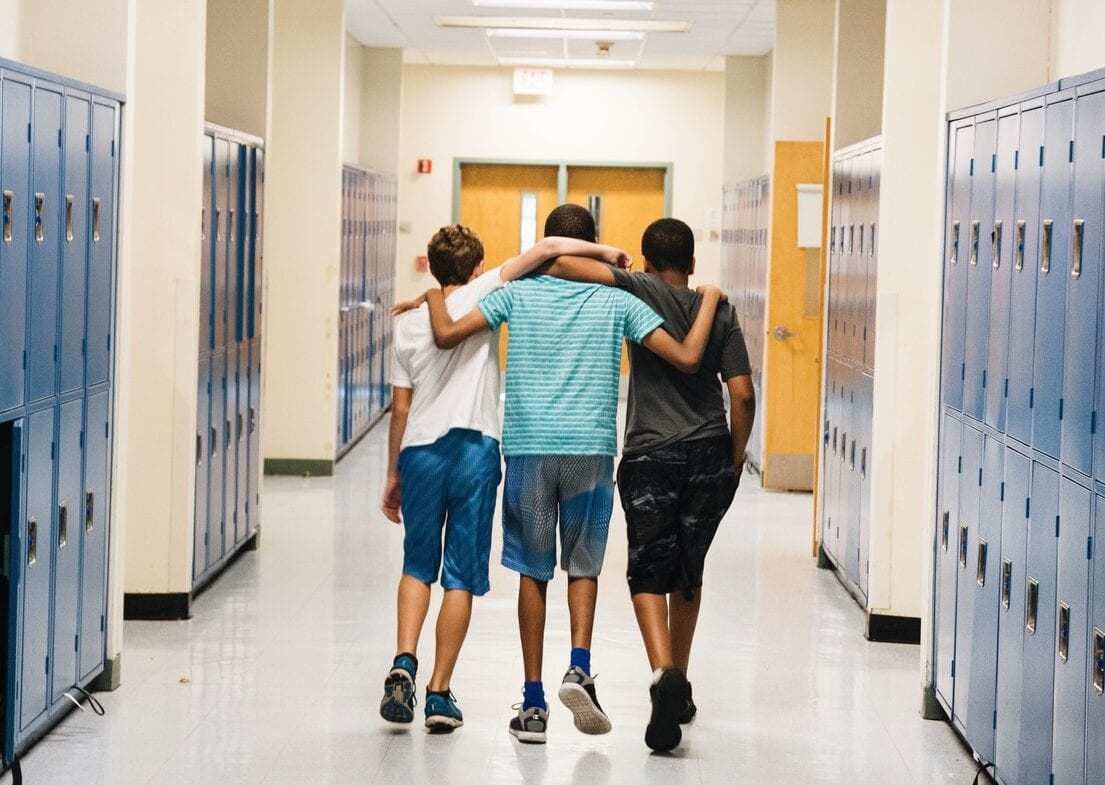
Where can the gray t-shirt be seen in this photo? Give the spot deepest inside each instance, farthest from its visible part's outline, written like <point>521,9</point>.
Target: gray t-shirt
<point>666,405</point>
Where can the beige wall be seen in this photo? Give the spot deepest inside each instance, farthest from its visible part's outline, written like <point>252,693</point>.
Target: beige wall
<point>10,11</point>
<point>352,99</point>
<point>747,90</point>
<point>858,71</point>
<point>802,69</point>
<point>303,230</point>
<point>450,113</point>
<point>381,103</point>
<point>238,64</point>
<point>1077,37</point>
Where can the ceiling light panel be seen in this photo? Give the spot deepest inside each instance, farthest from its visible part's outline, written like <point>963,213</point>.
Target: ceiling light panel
<point>563,62</point>
<point>564,23</point>
<point>568,5</point>
<point>559,35</point>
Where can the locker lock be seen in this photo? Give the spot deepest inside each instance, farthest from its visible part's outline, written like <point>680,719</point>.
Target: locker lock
<point>40,217</point>
<point>9,199</point>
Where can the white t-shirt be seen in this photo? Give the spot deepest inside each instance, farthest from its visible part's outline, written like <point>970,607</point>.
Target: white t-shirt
<point>453,388</point>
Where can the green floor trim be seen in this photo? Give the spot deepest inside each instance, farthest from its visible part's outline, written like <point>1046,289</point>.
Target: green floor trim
<point>823,560</point>
<point>930,705</point>
<point>299,467</point>
<point>111,676</point>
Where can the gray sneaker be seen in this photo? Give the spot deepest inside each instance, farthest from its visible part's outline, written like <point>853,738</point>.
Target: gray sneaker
<point>529,726</point>
<point>577,692</point>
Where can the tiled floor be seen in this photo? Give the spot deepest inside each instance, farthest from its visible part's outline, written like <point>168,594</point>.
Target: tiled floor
<point>277,678</point>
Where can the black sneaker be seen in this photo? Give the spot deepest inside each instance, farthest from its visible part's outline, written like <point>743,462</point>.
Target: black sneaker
<point>669,698</point>
<point>577,692</point>
<point>530,724</point>
<point>689,710</point>
<point>397,705</point>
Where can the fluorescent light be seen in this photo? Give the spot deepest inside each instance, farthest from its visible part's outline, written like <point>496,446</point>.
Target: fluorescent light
<point>565,23</point>
<point>566,62</point>
<point>557,35</point>
<point>569,5</point>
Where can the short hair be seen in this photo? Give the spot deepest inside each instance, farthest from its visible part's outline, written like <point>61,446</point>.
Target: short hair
<point>668,244</point>
<point>571,220</point>
<point>454,252</point>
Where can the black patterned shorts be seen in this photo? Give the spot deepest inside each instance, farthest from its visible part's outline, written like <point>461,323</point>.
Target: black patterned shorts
<point>674,498</point>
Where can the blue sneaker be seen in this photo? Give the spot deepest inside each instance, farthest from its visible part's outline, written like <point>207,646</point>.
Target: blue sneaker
<point>442,713</point>
<point>398,702</point>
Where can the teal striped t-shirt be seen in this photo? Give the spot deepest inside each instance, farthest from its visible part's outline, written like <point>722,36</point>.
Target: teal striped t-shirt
<point>563,360</point>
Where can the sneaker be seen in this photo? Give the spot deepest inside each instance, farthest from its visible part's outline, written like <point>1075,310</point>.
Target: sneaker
<point>669,696</point>
<point>577,692</point>
<point>690,710</point>
<point>442,713</point>
<point>529,726</point>
<point>398,702</point>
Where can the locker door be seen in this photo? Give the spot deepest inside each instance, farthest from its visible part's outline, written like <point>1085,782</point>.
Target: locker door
<point>1095,715</point>
<point>1009,573</point>
<point>256,461</point>
<point>1038,695</point>
<point>223,205</point>
<point>947,555</point>
<point>1072,625</point>
<point>986,595</point>
<point>979,268</point>
<point>966,539</point>
<point>207,237</point>
<point>241,446</point>
<point>204,457</point>
<point>36,552</point>
<point>46,238</point>
<point>852,468</point>
<point>15,231</point>
<point>956,254</point>
<point>102,250</point>
<point>872,262</point>
<point>74,243</point>
<point>230,450</point>
<point>1025,247</point>
<point>235,223</point>
<point>66,544</point>
<point>1001,233</point>
<point>94,534</point>
<point>1051,291</point>
<point>1083,277</point>
<point>216,451</point>
<point>832,311</point>
<point>863,453</point>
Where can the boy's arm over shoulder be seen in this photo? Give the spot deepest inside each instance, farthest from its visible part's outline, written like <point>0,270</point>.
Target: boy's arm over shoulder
<point>552,247</point>
<point>447,332</point>
<point>734,351</point>
<point>687,356</point>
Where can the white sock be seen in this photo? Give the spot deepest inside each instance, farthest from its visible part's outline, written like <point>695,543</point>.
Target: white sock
<point>656,674</point>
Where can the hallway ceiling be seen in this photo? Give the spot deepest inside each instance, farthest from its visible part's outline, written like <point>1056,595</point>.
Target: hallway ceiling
<point>717,28</point>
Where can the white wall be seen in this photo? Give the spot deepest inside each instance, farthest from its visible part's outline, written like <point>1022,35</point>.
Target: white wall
<point>858,67</point>
<point>747,91</point>
<point>450,113</point>
<point>381,104</point>
<point>238,64</point>
<point>802,69</point>
<point>352,99</point>
<point>1077,37</point>
<point>10,11</point>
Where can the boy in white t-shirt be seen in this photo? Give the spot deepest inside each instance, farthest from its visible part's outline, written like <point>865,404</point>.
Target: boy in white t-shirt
<point>444,465</point>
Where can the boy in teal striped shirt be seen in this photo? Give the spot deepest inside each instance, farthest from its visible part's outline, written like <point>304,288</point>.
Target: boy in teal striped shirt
<point>559,440</point>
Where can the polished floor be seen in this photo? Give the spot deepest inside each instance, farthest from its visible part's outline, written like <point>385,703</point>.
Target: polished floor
<point>277,677</point>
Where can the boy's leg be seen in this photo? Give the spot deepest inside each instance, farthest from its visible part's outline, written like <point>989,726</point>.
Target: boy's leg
<point>582,597</point>
<point>683,618</point>
<point>532,595</point>
<point>452,627</point>
<point>412,604</point>
<point>652,619</point>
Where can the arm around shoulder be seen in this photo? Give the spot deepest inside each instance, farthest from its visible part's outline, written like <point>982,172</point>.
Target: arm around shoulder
<point>687,356</point>
<point>447,332</point>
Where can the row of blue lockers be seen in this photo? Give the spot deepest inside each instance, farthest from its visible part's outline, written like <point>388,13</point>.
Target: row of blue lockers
<point>228,458</point>
<point>59,179</point>
<point>1019,647</point>
<point>746,216</point>
<point>853,253</point>
<point>369,206</point>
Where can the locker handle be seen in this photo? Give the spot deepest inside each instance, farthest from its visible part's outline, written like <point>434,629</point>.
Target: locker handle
<point>962,545</point>
<point>1031,605</point>
<point>974,242</point>
<point>89,509</point>
<point>955,242</point>
<point>871,242</point>
<point>40,217</point>
<point>199,449</point>
<point>1064,632</point>
<point>832,241</point>
<point>995,241</point>
<point>861,228</point>
<point>214,440</point>
<point>843,446</point>
<point>32,541</point>
<point>239,426</point>
<point>228,433</point>
<point>252,419</point>
<point>863,463</point>
<point>851,238</point>
<point>96,219</point>
<point>69,218</point>
<point>1045,248</point>
<point>9,201</point>
<point>230,224</point>
<point>945,527</point>
<point>1076,248</point>
<point>980,571</point>
<point>1099,661</point>
<point>256,225</point>
<point>1006,582</point>
<point>203,223</point>
<point>218,223</point>
<point>834,439</point>
<point>63,524</point>
<point>1020,245</point>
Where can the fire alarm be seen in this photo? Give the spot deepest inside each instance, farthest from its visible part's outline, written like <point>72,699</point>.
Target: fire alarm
<point>425,166</point>
<point>422,264</point>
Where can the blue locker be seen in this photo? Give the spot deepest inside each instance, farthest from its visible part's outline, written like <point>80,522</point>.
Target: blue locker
<point>966,538</point>
<point>1025,248</point>
<point>207,238</point>
<point>1001,231</point>
<point>230,451</point>
<point>1095,689</point>
<point>45,244</point>
<point>259,252</point>
<point>872,262</point>
<point>204,457</point>
<point>216,450</point>
<point>74,243</point>
<point>1051,289</point>
<point>36,552</point>
<point>1083,278</point>
<point>256,460</point>
<point>979,267</point>
<point>93,533</point>
<point>222,240</point>
<point>101,254</point>
<point>863,467</point>
<point>67,548</point>
<point>1009,572</point>
<point>241,446</point>
<point>947,559</point>
<point>236,220</point>
<point>961,149</point>
<point>1037,699</point>
<point>1072,628</point>
<point>15,230</point>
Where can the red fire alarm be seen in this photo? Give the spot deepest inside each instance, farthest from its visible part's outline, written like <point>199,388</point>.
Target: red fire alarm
<point>422,264</point>
<point>425,166</point>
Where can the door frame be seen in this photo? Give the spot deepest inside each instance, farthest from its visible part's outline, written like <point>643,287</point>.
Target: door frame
<point>561,175</point>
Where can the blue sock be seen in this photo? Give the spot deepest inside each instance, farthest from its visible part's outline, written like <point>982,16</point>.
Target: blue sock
<point>533,695</point>
<point>581,658</point>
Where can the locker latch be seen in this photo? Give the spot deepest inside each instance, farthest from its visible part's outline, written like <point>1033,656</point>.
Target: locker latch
<point>1045,247</point>
<point>1006,583</point>
<point>69,201</point>
<point>63,524</point>
<point>96,220</point>
<point>1064,631</point>
<point>40,217</point>
<point>9,200</point>
<point>1099,661</point>
<point>1031,605</point>
<point>89,509</point>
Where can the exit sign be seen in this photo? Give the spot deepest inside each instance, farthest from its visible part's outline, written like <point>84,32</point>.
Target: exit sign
<point>533,81</point>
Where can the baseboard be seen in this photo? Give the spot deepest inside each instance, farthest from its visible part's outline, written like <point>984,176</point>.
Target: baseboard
<point>931,709</point>
<point>893,629</point>
<point>110,677</point>
<point>823,560</point>
<point>157,607</point>
<point>299,467</point>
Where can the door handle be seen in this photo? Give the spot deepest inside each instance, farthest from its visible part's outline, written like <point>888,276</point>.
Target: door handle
<point>781,333</point>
